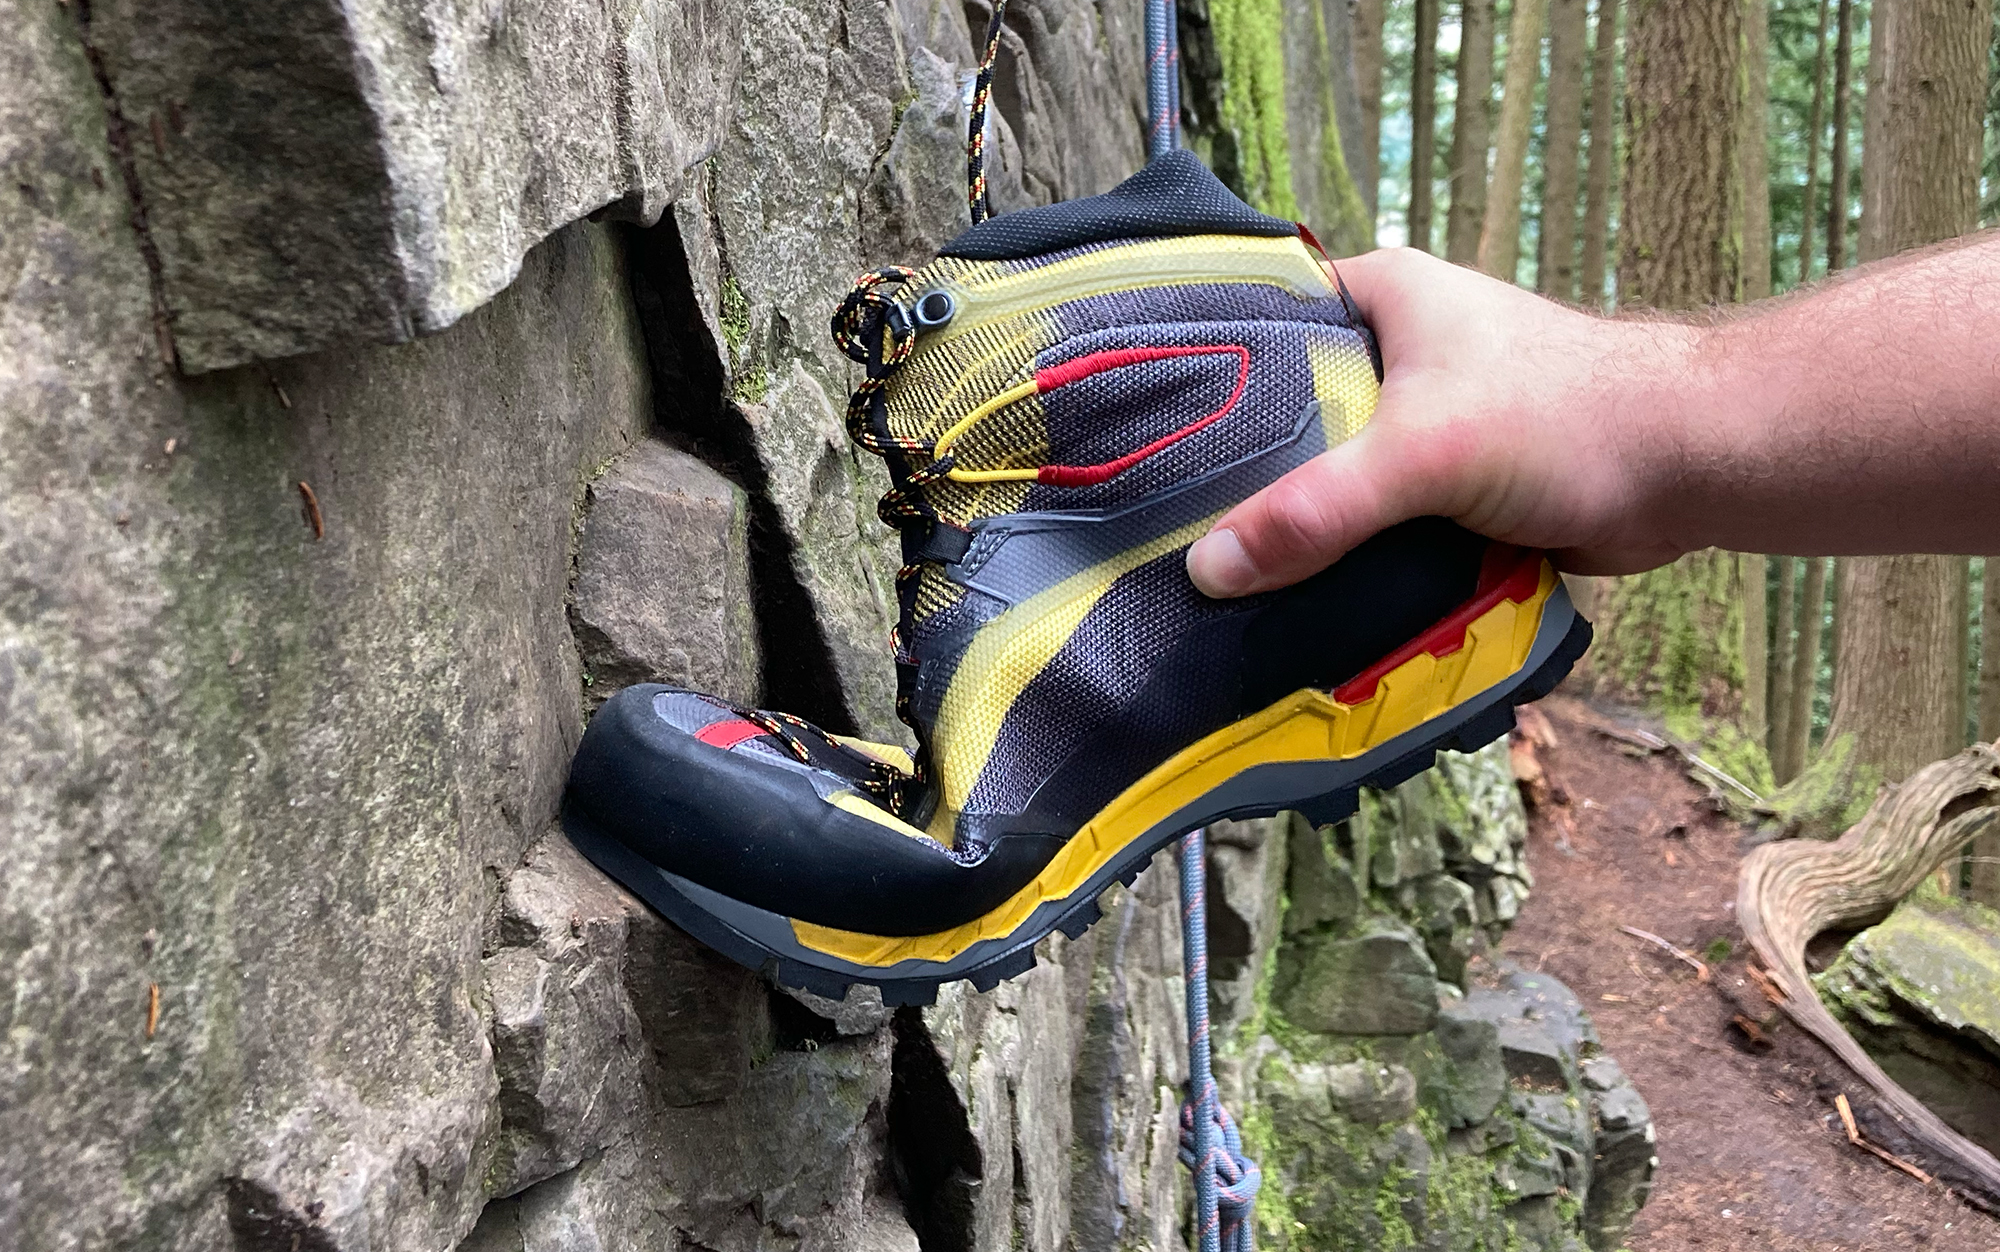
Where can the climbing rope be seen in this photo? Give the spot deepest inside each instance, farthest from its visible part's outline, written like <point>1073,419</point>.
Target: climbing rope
<point>1225,1181</point>
<point>975,139</point>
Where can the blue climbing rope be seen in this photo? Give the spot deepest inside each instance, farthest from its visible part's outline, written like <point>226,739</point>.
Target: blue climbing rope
<point>1225,1181</point>
<point>1163,78</point>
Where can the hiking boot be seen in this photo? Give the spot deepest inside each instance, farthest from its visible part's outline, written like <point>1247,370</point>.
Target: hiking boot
<point>1067,398</point>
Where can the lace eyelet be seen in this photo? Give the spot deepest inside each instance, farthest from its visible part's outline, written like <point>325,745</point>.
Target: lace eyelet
<point>935,309</point>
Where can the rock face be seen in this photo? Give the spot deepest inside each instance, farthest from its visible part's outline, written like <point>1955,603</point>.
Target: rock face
<point>662,590</point>
<point>1916,992</point>
<point>1402,1088</point>
<point>345,462</point>
<point>312,174</point>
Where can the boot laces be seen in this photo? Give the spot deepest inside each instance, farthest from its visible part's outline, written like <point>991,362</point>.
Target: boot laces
<point>874,329</point>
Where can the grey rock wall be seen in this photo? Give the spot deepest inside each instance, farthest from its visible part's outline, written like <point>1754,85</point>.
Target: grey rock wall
<point>1401,1087</point>
<point>318,173</point>
<point>300,623</point>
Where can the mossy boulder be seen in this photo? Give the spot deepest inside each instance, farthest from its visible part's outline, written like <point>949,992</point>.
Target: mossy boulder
<point>1917,992</point>
<point>1400,1088</point>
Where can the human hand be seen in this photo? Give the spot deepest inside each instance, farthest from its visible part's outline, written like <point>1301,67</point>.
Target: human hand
<point>1522,419</point>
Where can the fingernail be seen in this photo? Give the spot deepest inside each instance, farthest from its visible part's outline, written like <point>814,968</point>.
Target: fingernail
<point>1219,566</point>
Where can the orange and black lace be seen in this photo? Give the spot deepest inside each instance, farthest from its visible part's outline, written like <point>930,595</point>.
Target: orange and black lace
<point>876,331</point>
<point>975,139</point>
<point>780,726</point>
<point>884,781</point>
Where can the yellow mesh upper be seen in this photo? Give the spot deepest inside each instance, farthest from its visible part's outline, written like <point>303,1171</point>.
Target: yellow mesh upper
<point>1007,316</point>
<point>1344,382</point>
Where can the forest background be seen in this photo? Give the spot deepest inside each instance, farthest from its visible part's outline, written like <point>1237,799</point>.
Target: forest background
<point>1686,155</point>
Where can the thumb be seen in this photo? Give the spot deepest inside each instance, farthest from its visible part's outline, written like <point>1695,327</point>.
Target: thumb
<point>1312,516</point>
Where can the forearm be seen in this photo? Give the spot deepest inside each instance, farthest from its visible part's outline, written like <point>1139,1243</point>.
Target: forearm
<point>1862,417</point>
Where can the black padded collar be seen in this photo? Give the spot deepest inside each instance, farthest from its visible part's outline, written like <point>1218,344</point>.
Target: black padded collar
<point>1174,195</point>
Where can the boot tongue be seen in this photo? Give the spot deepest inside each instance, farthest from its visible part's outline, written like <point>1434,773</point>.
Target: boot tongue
<point>1175,194</point>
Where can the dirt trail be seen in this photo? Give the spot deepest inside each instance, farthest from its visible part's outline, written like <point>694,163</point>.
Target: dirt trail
<point>1752,1154</point>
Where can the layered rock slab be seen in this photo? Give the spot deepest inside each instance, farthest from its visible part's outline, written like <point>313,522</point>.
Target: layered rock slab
<point>1400,1088</point>
<point>312,174</point>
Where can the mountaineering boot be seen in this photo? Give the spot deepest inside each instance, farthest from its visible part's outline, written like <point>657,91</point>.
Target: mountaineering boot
<point>1067,398</point>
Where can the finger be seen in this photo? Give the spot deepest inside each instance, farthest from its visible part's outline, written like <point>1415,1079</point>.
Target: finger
<point>1312,516</point>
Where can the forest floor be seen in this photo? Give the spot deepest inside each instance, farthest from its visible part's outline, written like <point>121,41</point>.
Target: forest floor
<point>1752,1153</point>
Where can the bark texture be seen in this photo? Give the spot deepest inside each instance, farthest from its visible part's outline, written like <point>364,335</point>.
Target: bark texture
<point>1899,684</point>
<point>1985,869</point>
<point>1500,236</point>
<point>1839,191</point>
<point>1366,162</point>
<point>1756,648</point>
<point>1784,621</point>
<point>1670,638</point>
<point>1682,95</point>
<point>1923,123</point>
<point>1755,158</point>
<point>1815,136</point>
<point>1899,687</point>
<point>1789,892</point>
<point>1791,755</point>
<point>1569,47</point>
<point>1593,265</point>
<point>1423,124</point>
<point>1471,131</point>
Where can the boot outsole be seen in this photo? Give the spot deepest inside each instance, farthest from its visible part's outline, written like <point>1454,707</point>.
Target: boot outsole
<point>754,937</point>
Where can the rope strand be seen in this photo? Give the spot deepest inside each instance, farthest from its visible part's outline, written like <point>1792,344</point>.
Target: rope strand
<point>1225,1180</point>
<point>975,139</point>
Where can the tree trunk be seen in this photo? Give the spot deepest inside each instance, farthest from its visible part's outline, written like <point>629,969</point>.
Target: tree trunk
<point>1366,162</point>
<point>1985,886</point>
<point>1591,267</point>
<point>1899,686</point>
<point>1756,159</point>
<point>1755,163</point>
<point>1676,247</point>
<point>1669,638</point>
<point>1337,17</point>
<point>1815,133</point>
<point>1500,234</point>
<point>1805,672</point>
<point>1674,636</point>
<point>1569,37</point>
<point>1782,654</point>
<point>1837,189</point>
<point>1989,654</point>
<point>1423,123</point>
<point>1924,123</point>
<point>1756,650</point>
<point>1470,131</point>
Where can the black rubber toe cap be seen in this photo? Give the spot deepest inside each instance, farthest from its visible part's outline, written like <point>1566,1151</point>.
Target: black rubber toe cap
<point>759,833</point>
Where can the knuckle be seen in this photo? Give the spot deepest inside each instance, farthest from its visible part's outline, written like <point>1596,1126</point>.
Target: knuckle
<point>1296,518</point>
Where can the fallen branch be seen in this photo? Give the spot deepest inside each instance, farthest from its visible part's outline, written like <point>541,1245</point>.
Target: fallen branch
<point>1699,966</point>
<point>1692,758</point>
<point>1650,742</point>
<point>1629,735</point>
<point>1789,892</point>
<point>1771,990</point>
<point>1855,1137</point>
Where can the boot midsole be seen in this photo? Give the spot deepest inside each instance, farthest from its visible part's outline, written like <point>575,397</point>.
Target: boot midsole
<point>1306,726</point>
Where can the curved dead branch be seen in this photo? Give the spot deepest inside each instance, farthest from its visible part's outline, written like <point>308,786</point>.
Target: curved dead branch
<point>1789,892</point>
